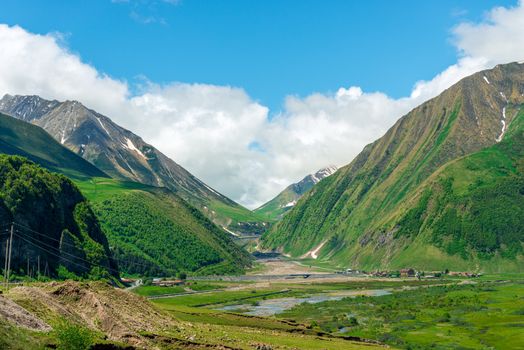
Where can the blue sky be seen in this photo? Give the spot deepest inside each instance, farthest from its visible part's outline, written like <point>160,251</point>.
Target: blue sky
<point>250,96</point>
<point>270,48</point>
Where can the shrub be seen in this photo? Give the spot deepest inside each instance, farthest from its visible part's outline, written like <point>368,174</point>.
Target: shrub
<point>73,337</point>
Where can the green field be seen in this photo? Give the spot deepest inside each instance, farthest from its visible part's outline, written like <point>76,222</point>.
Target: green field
<point>191,286</point>
<point>450,313</point>
<point>98,189</point>
<point>485,315</point>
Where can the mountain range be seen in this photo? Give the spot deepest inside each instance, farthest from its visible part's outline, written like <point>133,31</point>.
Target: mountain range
<point>151,230</point>
<point>275,209</point>
<point>443,188</point>
<point>121,154</point>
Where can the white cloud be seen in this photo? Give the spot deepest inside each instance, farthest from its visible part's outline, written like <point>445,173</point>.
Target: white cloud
<point>221,134</point>
<point>498,38</point>
<point>37,65</point>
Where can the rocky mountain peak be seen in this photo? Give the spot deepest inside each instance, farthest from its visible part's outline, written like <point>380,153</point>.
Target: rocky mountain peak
<point>114,150</point>
<point>323,173</point>
<point>26,108</point>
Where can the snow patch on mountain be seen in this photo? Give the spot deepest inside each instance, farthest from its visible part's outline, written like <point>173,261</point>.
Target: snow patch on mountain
<point>503,122</point>
<point>103,126</point>
<point>131,146</point>
<point>323,173</point>
<point>290,204</point>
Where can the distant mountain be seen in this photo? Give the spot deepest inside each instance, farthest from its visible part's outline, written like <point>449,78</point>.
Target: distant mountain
<point>121,154</point>
<point>287,199</point>
<point>443,188</point>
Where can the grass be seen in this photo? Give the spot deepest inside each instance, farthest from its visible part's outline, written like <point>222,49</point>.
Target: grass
<point>148,291</point>
<point>236,213</point>
<point>224,297</point>
<point>485,315</point>
<point>16,338</point>
<point>451,313</point>
<point>98,189</point>
<point>284,290</point>
<point>247,332</point>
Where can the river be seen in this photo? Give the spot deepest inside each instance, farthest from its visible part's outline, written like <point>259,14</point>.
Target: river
<point>271,307</point>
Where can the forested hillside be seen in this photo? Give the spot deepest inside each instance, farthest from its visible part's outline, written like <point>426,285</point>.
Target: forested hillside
<point>155,232</point>
<point>54,226</point>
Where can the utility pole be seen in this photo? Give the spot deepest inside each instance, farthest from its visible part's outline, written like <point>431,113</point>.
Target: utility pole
<point>10,252</point>
<point>5,264</point>
<point>38,276</point>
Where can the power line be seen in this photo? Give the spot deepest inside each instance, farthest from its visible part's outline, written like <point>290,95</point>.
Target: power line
<point>74,246</point>
<point>50,246</point>
<point>55,254</point>
<point>59,253</point>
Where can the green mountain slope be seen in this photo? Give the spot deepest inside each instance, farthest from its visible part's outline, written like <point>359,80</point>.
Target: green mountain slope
<point>54,224</point>
<point>367,214</point>
<point>155,232</point>
<point>151,230</point>
<point>20,138</point>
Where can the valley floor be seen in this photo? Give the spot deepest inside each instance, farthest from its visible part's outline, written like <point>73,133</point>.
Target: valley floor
<point>322,311</point>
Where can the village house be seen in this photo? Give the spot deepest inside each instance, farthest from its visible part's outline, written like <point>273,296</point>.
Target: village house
<point>407,272</point>
<point>168,283</point>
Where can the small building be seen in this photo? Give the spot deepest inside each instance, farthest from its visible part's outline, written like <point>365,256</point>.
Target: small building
<point>407,272</point>
<point>168,283</point>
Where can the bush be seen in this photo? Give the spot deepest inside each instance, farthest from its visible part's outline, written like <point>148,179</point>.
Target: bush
<point>65,274</point>
<point>73,337</point>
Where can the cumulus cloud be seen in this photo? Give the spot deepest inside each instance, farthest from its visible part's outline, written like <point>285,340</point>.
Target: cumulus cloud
<point>498,38</point>
<point>222,135</point>
<point>35,64</point>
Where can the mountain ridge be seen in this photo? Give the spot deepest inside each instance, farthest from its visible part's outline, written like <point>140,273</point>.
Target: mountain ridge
<point>119,152</point>
<point>275,208</point>
<point>140,221</point>
<point>363,198</point>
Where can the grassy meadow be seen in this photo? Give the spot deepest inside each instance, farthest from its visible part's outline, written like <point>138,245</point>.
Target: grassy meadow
<point>449,313</point>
